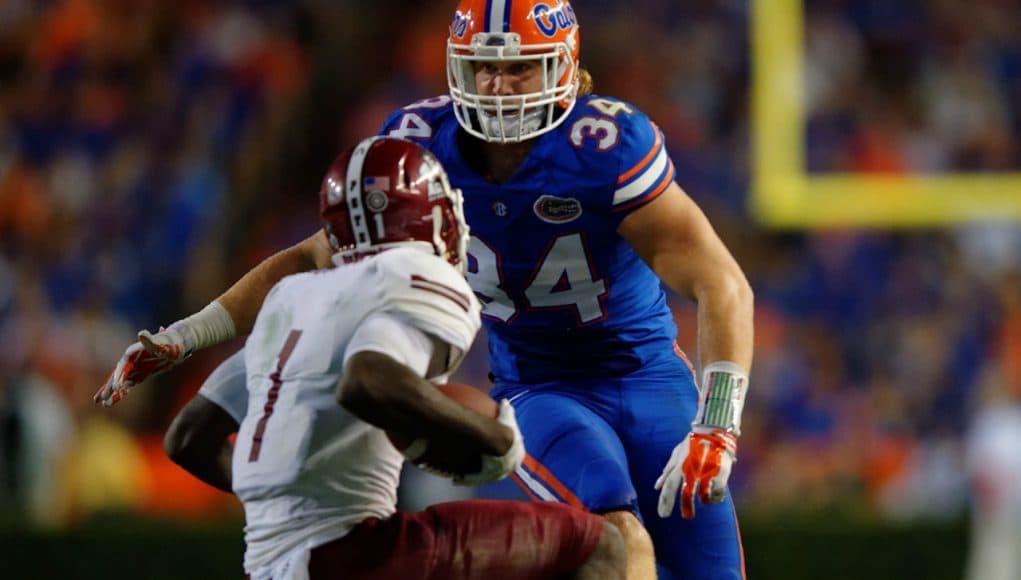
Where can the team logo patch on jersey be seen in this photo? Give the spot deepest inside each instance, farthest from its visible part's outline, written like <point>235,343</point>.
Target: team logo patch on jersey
<point>557,210</point>
<point>500,208</point>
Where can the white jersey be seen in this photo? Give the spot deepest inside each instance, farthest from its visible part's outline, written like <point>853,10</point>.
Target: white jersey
<point>225,386</point>
<point>994,464</point>
<point>306,470</point>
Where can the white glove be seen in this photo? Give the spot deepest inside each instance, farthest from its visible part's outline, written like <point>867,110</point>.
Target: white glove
<point>153,354</point>
<point>700,465</point>
<point>495,468</point>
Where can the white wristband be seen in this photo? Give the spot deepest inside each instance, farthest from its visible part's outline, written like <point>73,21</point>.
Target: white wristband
<point>207,327</point>
<point>721,397</point>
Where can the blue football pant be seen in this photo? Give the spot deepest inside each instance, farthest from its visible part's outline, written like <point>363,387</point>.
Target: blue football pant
<point>602,446</point>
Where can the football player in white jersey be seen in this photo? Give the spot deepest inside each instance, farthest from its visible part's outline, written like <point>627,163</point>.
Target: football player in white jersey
<point>336,358</point>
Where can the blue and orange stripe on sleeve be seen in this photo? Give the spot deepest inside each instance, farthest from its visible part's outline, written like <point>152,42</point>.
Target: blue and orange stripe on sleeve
<point>647,179</point>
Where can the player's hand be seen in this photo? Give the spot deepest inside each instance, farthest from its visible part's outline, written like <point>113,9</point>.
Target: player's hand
<point>415,450</point>
<point>700,466</point>
<point>151,355</point>
<point>495,468</point>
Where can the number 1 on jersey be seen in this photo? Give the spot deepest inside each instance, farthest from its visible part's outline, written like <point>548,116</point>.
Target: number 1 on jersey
<point>273,394</point>
<point>563,279</point>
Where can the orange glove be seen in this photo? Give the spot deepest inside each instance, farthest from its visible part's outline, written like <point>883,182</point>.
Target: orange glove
<point>151,355</point>
<point>157,353</point>
<point>700,465</point>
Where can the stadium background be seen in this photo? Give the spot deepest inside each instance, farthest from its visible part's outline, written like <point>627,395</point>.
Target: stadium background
<point>151,152</point>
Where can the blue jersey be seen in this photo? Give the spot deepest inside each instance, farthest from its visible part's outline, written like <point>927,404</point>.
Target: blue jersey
<point>565,296</point>
<point>580,336</point>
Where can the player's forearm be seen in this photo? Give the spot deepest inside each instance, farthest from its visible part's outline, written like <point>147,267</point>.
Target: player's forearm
<point>223,476</point>
<point>213,469</point>
<point>235,311</point>
<point>211,464</point>
<point>725,321</point>
<point>198,441</point>
<point>423,412</point>
<point>725,305</point>
<point>674,237</point>
<point>390,396</point>
<point>244,299</point>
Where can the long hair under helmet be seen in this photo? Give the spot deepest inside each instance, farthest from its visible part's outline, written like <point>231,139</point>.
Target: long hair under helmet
<point>508,31</point>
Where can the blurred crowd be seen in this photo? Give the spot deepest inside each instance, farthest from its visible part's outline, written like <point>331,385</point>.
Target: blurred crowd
<point>151,152</point>
<point>913,85</point>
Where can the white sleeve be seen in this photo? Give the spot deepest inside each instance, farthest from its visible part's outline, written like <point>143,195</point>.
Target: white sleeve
<point>225,386</point>
<point>386,333</point>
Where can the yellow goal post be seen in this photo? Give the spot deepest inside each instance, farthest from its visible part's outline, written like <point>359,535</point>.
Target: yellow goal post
<point>785,195</point>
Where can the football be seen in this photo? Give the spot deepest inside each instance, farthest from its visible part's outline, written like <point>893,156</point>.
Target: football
<point>453,460</point>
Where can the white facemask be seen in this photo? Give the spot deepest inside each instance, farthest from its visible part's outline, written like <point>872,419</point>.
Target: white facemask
<point>499,127</point>
<point>546,108</point>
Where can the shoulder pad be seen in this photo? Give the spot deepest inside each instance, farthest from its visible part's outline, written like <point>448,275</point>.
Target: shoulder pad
<point>417,121</point>
<point>604,126</point>
<point>431,294</point>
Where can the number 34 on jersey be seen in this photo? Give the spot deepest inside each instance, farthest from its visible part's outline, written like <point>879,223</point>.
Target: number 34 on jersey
<point>613,148</point>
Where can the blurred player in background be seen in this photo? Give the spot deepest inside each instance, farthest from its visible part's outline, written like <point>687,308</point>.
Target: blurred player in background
<point>993,452</point>
<point>319,480</point>
<point>576,221</point>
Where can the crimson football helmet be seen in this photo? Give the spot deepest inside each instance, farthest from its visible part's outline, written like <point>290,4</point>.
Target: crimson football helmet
<point>506,31</point>
<point>387,192</point>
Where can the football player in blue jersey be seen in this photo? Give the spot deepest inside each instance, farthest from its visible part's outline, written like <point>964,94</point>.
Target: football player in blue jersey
<point>576,220</point>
